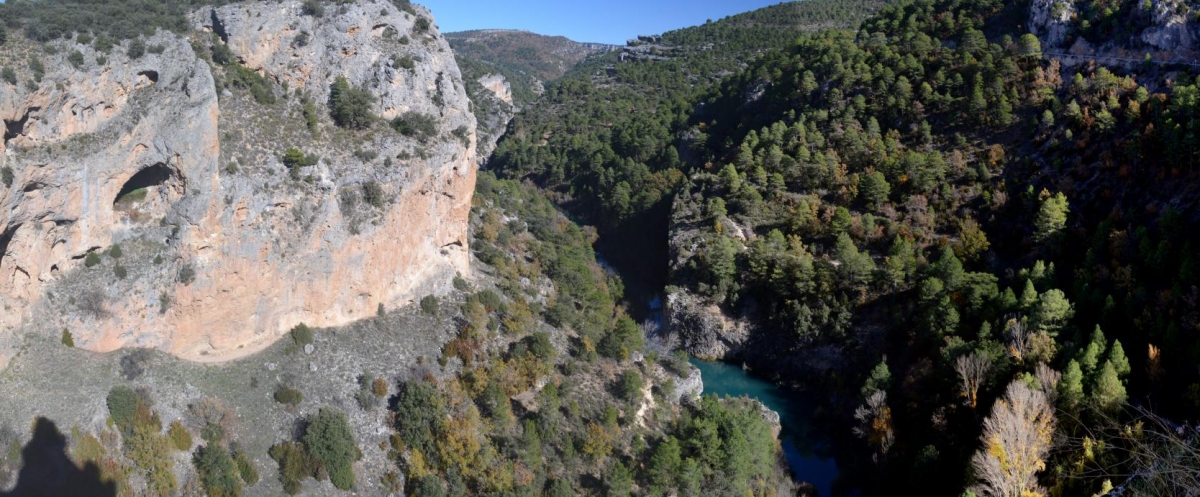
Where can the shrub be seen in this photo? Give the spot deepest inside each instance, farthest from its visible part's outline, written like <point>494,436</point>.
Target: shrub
<point>429,486</point>
<point>460,283</point>
<point>67,339</point>
<point>245,466</point>
<point>463,134</point>
<point>404,62</point>
<point>379,387</point>
<point>133,364</point>
<point>157,49</point>
<point>373,193</point>
<point>212,418</point>
<point>294,464</point>
<point>629,386</point>
<point>288,396</point>
<point>76,59</point>
<point>39,70</point>
<point>302,335</point>
<point>221,54</point>
<point>301,40</point>
<point>180,437</point>
<point>247,79</point>
<point>415,124</point>
<point>313,8</point>
<point>164,303</point>
<point>122,403</point>
<point>137,48</point>
<point>331,441</point>
<point>217,471</point>
<point>430,305</point>
<point>187,274</point>
<point>350,107</point>
<point>120,272</point>
<point>422,25</point>
<point>115,252</point>
<point>9,75</point>
<point>91,260</point>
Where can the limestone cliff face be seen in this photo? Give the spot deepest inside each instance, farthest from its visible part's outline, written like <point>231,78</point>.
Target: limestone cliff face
<point>223,247</point>
<point>1169,33</point>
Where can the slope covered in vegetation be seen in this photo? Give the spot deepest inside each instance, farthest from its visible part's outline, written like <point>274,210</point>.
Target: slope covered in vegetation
<point>953,237</point>
<point>601,138</point>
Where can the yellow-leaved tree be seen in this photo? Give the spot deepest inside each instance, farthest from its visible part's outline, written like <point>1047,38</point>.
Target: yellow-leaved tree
<point>1016,439</point>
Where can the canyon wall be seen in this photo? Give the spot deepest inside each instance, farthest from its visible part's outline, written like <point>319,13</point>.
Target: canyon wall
<point>220,246</point>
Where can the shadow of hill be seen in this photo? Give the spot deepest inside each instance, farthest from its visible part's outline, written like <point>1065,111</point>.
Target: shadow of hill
<point>47,471</point>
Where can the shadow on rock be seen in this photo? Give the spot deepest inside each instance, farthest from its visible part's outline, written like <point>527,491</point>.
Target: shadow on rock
<point>47,471</point>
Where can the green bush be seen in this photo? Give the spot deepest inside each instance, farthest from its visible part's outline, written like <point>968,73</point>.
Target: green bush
<point>422,25</point>
<point>294,464</point>
<point>218,473</point>
<point>331,441</point>
<point>120,272</point>
<point>221,54</point>
<point>373,193</point>
<point>122,404</point>
<point>187,274</point>
<point>302,335</point>
<point>430,305</point>
<point>137,48</point>
<point>247,79</point>
<point>9,75</point>
<point>91,260</point>
<point>180,437</point>
<point>350,107</point>
<point>313,8</point>
<point>288,396</point>
<point>629,386</point>
<point>115,252</point>
<point>67,339</point>
<point>76,59</point>
<point>245,466</point>
<point>415,124</point>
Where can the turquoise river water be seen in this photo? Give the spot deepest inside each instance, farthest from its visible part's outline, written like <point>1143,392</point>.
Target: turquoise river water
<point>798,440</point>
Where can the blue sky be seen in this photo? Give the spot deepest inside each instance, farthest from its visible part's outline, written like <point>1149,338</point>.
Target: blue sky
<point>605,21</point>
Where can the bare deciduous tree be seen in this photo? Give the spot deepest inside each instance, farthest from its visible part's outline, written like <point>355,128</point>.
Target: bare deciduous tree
<point>875,423</point>
<point>1048,378</point>
<point>1019,339</point>
<point>972,370</point>
<point>1016,439</point>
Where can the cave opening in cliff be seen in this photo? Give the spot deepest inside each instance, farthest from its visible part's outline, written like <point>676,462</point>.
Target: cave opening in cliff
<point>6,237</point>
<point>148,193</point>
<point>15,128</point>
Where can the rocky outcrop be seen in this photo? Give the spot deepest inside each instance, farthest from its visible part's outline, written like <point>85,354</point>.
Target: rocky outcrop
<point>494,108</point>
<point>1050,20</point>
<point>688,388</point>
<point>702,329</point>
<point>1168,30</point>
<point>499,87</point>
<point>224,248</point>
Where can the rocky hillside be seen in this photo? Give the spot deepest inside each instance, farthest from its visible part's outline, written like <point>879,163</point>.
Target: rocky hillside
<point>191,191</point>
<point>536,59</point>
<point>1164,30</point>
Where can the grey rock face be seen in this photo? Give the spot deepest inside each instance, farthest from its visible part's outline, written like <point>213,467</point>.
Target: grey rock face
<point>225,248</point>
<point>703,330</point>
<point>689,388</point>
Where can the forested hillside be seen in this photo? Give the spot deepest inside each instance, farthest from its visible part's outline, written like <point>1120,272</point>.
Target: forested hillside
<point>983,259</point>
<point>601,138</point>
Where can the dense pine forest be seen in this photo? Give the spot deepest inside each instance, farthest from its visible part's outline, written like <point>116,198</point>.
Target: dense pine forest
<point>983,259</point>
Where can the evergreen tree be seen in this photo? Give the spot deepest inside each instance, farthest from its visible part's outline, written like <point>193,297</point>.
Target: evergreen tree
<point>1070,387</point>
<point>1109,392</point>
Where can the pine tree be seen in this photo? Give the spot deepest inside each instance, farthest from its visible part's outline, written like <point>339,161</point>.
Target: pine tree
<point>1051,218</point>
<point>1089,359</point>
<point>1117,357</point>
<point>1070,387</point>
<point>1029,295</point>
<point>1109,392</point>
